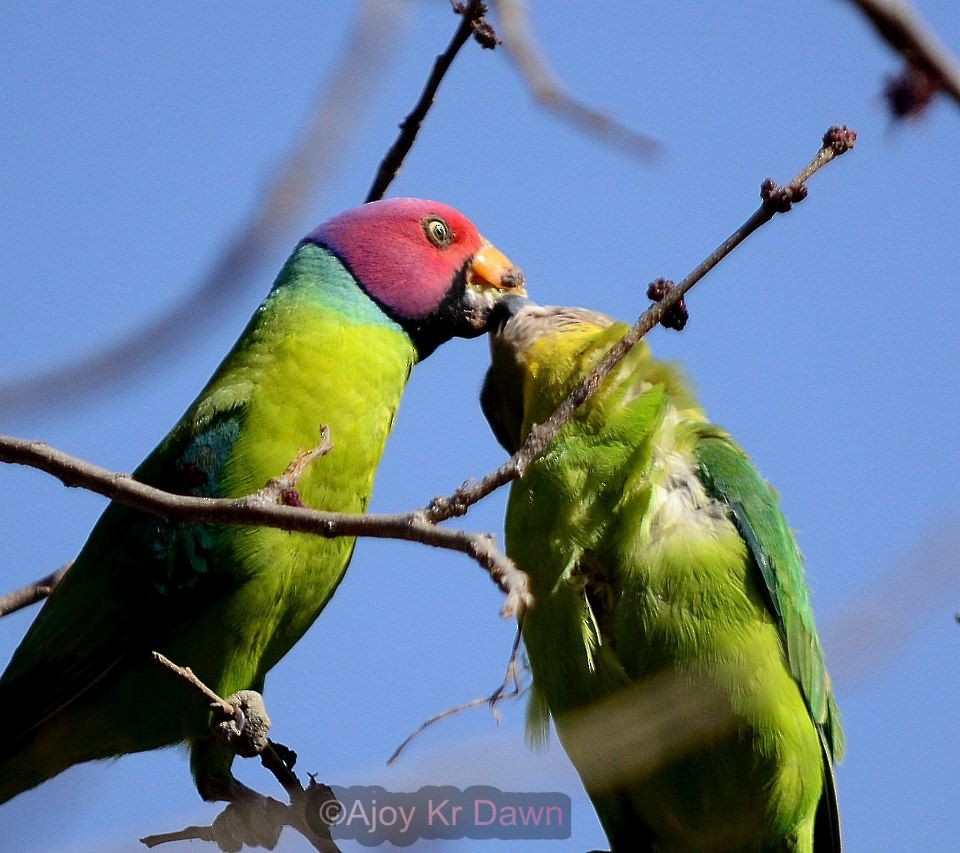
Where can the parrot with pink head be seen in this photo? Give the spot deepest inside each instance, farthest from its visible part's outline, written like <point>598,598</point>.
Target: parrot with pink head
<point>360,301</point>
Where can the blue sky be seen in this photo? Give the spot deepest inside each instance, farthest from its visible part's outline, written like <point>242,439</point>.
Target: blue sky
<point>136,137</point>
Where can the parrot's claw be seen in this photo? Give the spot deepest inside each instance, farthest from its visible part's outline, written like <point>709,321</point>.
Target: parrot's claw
<point>246,732</point>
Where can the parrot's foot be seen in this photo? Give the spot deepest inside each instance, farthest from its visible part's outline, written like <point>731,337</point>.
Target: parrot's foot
<point>251,819</point>
<point>246,732</point>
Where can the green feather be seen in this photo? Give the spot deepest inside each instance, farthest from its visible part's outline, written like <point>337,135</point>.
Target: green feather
<point>672,637</point>
<point>731,477</point>
<point>228,602</point>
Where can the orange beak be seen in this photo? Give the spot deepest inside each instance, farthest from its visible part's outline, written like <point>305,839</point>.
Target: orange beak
<point>490,268</point>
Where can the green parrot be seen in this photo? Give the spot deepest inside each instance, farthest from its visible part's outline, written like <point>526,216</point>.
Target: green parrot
<point>361,300</point>
<point>671,638</point>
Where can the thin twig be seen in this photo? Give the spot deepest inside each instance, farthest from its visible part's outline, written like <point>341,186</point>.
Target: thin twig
<point>184,672</point>
<point>190,833</point>
<point>284,488</point>
<point>511,677</point>
<point>295,186</point>
<point>899,24</point>
<point>776,199</point>
<point>262,509</point>
<point>283,815</point>
<point>32,592</point>
<point>421,525</point>
<point>550,94</point>
<point>271,757</point>
<point>409,128</point>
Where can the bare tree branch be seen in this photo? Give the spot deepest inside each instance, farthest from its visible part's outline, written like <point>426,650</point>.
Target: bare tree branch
<point>297,182</point>
<point>32,592</point>
<point>471,22</point>
<point>284,488</point>
<point>547,90</point>
<point>251,812</point>
<point>899,24</point>
<point>224,708</point>
<point>421,525</point>
<point>263,818</point>
<point>776,199</point>
<point>271,754</point>
<point>262,509</point>
<point>510,688</point>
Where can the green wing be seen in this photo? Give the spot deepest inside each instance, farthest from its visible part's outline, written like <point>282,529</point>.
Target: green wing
<point>137,580</point>
<point>730,477</point>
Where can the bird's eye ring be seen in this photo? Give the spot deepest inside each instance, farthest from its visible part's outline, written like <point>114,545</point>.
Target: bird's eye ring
<point>438,232</point>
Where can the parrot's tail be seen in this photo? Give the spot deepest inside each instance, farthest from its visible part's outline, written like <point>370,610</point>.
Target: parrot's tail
<point>33,762</point>
<point>69,738</point>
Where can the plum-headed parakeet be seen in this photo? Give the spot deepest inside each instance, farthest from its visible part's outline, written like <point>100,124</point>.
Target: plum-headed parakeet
<point>359,302</point>
<point>671,637</point>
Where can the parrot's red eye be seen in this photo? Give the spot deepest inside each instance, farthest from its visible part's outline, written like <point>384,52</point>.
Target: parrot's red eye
<point>438,232</point>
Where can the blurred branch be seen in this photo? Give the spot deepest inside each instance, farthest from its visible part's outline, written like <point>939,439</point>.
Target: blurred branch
<point>863,635</point>
<point>775,199</point>
<point>632,733</point>
<point>547,90</point>
<point>264,509</point>
<point>297,182</point>
<point>899,24</point>
<point>471,23</point>
<point>252,818</point>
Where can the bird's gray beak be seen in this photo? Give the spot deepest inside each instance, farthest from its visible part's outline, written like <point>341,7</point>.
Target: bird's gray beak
<point>508,307</point>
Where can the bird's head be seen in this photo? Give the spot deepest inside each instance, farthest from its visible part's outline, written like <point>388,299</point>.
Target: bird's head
<point>425,264</point>
<point>537,355</point>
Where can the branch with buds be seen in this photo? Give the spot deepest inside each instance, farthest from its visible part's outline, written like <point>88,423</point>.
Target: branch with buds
<point>278,505</point>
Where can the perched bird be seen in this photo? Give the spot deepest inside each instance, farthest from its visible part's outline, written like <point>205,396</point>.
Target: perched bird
<point>671,637</point>
<point>361,300</point>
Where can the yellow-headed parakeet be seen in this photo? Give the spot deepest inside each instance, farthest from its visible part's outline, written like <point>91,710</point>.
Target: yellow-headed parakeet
<point>671,637</point>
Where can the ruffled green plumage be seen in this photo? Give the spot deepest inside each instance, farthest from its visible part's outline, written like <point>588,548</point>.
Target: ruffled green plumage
<point>672,638</point>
